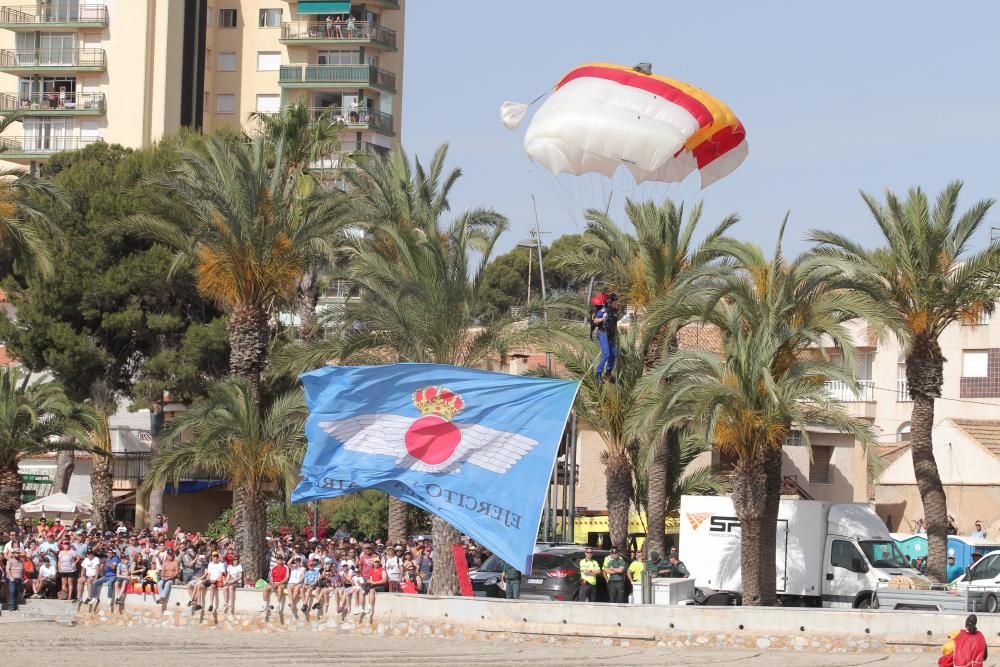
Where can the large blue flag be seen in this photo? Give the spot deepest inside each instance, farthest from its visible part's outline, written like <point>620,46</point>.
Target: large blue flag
<point>474,447</point>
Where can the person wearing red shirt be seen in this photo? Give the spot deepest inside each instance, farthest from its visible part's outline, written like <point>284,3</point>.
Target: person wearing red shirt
<point>970,645</point>
<point>376,582</point>
<point>279,579</point>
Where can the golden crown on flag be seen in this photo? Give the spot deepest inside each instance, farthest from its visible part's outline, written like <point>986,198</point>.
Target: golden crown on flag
<point>439,401</point>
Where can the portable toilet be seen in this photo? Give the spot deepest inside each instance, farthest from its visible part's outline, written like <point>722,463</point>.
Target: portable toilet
<point>912,546</point>
<point>964,547</point>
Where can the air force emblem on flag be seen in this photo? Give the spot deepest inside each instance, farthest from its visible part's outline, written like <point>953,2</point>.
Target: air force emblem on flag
<point>474,447</point>
<point>432,442</point>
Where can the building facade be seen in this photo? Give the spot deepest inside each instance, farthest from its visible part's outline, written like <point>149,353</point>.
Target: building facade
<point>132,71</point>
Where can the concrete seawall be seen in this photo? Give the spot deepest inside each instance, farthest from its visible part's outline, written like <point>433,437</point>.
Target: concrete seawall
<point>813,630</point>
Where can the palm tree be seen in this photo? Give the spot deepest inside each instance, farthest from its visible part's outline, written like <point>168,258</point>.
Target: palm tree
<point>232,209</point>
<point>419,296</point>
<point>648,265</point>
<point>682,448</point>
<point>256,446</point>
<point>767,380</point>
<point>100,409</point>
<point>926,279</point>
<point>606,408</point>
<point>307,138</point>
<point>34,417</point>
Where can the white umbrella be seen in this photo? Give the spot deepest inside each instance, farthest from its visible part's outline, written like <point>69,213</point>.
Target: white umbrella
<point>57,505</point>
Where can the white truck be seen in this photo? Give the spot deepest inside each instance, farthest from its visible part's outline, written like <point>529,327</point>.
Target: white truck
<point>829,554</point>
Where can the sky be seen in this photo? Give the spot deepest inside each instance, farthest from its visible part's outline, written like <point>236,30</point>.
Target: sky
<point>836,98</point>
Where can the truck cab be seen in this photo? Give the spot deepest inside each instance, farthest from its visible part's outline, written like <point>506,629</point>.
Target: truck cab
<point>860,554</point>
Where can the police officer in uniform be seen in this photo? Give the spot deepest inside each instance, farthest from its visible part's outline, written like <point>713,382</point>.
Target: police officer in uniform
<point>614,570</point>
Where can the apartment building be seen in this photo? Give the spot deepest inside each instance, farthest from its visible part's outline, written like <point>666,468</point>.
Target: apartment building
<point>81,71</point>
<point>132,71</point>
<point>341,58</point>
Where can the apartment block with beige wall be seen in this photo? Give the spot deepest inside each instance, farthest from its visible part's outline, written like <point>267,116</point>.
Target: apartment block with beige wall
<point>342,57</point>
<point>82,71</point>
<point>132,71</point>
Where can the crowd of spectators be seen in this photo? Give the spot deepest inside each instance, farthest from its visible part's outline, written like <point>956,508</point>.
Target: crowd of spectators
<point>332,574</point>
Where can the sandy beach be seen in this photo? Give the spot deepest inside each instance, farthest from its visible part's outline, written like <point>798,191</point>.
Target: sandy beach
<point>37,643</point>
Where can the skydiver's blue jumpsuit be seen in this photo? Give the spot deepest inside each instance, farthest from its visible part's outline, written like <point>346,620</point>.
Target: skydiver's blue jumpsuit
<point>607,337</point>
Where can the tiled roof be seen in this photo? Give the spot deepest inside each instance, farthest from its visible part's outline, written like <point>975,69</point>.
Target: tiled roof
<point>5,358</point>
<point>889,453</point>
<point>705,337</point>
<point>984,431</point>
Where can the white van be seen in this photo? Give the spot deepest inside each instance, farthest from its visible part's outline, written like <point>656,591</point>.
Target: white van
<point>829,554</point>
<point>982,580</point>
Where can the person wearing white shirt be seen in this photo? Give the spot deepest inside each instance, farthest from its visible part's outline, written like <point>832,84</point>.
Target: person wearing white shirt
<point>46,581</point>
<point>979,532</point>
<point>394,569</point>
<point>234,578</point>
<point>13,545</point>
<point>89,575</point>
<point>215,572</point>
<point>296,575</point>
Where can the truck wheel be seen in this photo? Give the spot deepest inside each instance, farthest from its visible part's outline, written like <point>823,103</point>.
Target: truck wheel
<point>864,603</point>
<point>991,605</point>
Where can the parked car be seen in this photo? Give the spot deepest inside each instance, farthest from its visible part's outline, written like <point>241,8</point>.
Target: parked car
<point>555,575</point>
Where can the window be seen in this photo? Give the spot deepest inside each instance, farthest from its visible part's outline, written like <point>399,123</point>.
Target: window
<point>227,61</point>
<point>268,61</point>
<point>903,434</point>
<point>975,363</point>
<point>227,18</point>
<point>225,104</point>
<point>987,568</point>
<point>819,466</point>
<point>269,103</point>
<point>793,439</point>
<point>843,554</point>
<point>331,57</point>
<point>270,18</point>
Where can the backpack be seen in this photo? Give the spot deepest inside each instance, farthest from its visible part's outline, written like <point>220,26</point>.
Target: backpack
<point>596,303</point>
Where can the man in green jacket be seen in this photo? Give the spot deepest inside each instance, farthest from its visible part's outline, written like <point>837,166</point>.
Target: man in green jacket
<point>614,570</point>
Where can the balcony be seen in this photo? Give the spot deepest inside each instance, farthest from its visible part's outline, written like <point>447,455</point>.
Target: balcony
<point>858,402</point>
<point>130,469</point>
<point>53,60</point>
<point>51,104</point>
<point>357,119</point>
<point>341,157</point>
<point>842,391</point>
<point>902,392</point>
<point>333,76</point>
<point>37,17</point>
<point>34,147</point>
<point>363,34</point>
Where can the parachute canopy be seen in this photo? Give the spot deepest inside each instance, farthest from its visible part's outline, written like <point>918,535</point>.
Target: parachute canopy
<point>601,117</point>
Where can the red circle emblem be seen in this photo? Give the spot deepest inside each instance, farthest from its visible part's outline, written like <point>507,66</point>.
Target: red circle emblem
<point>432,439</point>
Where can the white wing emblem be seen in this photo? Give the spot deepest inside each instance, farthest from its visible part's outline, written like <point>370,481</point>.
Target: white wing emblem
<point>390,435</point>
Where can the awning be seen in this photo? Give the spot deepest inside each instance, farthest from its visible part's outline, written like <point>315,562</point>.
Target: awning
<point>324,7</point>
<point>194,485</point>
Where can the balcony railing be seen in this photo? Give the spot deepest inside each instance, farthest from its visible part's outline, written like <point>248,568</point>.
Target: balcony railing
<point>134,466</point>
<point>305,76</point>
<point>46,15</point>
<point>56,103</point>
<point>17,59</point>
<point>842,391</point>
<point>902,391</point>
<point>336,159</point>
<point>356,117</point>
<point>311,32</point>
<point>338,289</point>
<point>42,145</point>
